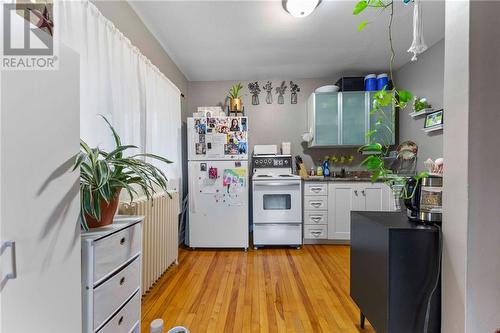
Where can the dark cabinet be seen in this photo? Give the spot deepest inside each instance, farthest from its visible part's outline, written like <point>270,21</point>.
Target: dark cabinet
<point>394,266</point>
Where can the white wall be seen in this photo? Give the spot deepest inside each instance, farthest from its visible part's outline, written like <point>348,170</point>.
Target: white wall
<point>471,264</point>
<point>424,78</point>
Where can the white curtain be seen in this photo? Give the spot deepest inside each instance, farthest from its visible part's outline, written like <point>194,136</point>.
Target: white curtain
<point>117,81</point>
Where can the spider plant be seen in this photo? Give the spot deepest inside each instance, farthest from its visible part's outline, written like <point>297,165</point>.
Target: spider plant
<point>235,91</point>
<point>104,174</point>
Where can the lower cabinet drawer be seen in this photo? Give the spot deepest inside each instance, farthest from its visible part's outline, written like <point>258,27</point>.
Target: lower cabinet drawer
<point>315,232</point>
<point>277,234</point>
<point>127,319</point>
<point>315,202</point>
<point>114,292</point>
<point>316,217</point>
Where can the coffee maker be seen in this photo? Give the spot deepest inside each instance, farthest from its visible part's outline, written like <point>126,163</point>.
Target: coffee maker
<point>424,199</point>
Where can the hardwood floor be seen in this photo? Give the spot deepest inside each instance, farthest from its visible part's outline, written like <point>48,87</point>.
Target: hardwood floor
<point>268,290</point>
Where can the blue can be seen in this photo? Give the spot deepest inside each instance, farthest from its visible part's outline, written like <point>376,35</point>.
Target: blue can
<point>371,82</point>
<point>382,81</point>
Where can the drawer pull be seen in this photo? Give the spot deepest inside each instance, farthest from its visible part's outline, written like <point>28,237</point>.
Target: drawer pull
<point>316,204</point>
<point>316,218</point>
<point>122,241</point>
<point>316,189</point>
<point>122,281</point>
<point>316,233</point>
<point>120,321</point>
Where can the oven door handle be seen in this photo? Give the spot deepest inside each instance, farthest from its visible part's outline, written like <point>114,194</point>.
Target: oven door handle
<point>276,184</point>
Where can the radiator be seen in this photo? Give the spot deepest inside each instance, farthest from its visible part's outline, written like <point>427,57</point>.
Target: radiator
<point>159,236</point>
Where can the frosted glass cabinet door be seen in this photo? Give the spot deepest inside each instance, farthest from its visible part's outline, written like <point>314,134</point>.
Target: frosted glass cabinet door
<point>353,118</point>
<point>383,121</point>
<point>326,119</point>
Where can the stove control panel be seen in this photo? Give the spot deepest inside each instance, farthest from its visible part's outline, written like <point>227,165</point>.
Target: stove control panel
<point>271,161</point>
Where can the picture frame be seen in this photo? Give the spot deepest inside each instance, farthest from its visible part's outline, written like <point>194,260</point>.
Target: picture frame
<point>434,119</point>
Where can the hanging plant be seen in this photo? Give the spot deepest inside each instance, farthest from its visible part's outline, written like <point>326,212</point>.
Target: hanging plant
<point>268,87</point>
<point>280,91</point>
<point>384,98</point>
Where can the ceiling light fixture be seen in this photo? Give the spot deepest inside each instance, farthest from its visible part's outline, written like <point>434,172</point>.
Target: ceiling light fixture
<point>300,8</point>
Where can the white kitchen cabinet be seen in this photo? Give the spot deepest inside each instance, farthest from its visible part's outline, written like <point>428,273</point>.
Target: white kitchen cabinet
<point>342,119</point>
<point>344,197</point>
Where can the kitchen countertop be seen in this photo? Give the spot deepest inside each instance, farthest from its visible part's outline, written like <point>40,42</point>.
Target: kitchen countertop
<point>339,179</point>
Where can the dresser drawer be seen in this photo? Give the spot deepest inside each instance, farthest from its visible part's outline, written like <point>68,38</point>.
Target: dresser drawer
<point>315,232</point>
<point>114,292</point>
<point>315,217</point>
<point>315,203</point>
<point>127,319</point>
<point>113,251</point>
<point>315,188</point>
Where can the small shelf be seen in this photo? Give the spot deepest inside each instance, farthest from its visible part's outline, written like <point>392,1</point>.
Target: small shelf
<point>433,128</point>
<point>421,113</point>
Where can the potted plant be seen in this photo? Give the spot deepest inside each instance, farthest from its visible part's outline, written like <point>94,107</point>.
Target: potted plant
<point>104,174</point>
<point>420,104</point>
<point>235,97</point>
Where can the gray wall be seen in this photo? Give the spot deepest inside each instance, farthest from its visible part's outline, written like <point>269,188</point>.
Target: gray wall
<point>271,123</point>
<point>483,246</point>
<point>424,78</point>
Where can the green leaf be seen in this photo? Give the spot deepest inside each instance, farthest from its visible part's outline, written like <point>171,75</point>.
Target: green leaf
<point>360,6</point>
<point>405,96</point>
<point>373,147</point>
<point>362,25</point>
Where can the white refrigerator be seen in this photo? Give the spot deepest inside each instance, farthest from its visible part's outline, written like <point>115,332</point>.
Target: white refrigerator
<point>218,182</point>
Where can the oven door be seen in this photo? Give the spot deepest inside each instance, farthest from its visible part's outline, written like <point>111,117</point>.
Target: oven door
<point>277,202</point>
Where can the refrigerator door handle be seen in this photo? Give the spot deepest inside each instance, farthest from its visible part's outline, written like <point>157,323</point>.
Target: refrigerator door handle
<point>192,196</point>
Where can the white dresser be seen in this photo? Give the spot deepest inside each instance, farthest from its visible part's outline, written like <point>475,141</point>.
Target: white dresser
<point>111,277</point>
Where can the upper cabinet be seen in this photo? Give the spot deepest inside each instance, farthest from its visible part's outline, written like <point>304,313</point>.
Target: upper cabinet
<point>344,119</point>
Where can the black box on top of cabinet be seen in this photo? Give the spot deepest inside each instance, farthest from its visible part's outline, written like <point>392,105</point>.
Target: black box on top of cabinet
<point>394,266</point>
<point>351,83</point>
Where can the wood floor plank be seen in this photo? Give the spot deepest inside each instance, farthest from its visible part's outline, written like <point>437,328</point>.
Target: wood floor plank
<point>267,290</point>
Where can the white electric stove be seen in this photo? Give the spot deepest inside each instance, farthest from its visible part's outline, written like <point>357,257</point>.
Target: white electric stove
<point>277,201</point>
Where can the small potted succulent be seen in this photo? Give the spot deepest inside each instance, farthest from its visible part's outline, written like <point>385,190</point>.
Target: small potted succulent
<point>234,96</point>
<point>104,174</point>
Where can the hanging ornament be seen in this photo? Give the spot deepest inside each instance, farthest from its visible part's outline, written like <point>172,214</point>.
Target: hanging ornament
<point>418,45</point>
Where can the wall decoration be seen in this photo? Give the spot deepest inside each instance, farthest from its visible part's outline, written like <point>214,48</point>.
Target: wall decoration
<point>268,87</point>
<point>294,88</point>
<point>255,91</point>
<point>434,119</point>
<point>280,91</point>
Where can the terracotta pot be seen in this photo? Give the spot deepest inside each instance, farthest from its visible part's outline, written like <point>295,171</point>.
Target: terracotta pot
<point>108,212</point>
<point>235,104</point>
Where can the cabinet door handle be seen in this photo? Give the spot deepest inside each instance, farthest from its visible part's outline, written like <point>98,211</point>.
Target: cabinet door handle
<point>122,281</point>
<point>356,192</point>
<point>120,321</point>
<point>363,192</point>
<point>13,272</point>
<point>122,241</point>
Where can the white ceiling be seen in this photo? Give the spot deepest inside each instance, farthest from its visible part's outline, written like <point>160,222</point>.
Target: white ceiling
<point>245,40</point>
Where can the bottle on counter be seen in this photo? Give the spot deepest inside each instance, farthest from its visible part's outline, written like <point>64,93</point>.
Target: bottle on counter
<point>311,173</point>
<point>326,168</point>
<point>319,169</point>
